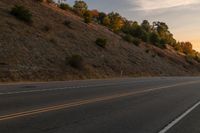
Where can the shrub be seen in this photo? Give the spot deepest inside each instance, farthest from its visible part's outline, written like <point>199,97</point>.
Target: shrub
<point>87,20</point>
<point>39,0</point>
<point>131,39</point>
<point>163,41</point>
<point>101,42</point>
<point>189,59</point>
<point>153,55</point>
<point>162,46</point>
<point>136,41</point>
<point>65,6</point>
<point>21,13</point>
<point>76,61</point>
<point>47,28</point>
<point>67,23</point>
<point>154,38</point>
<point>53,40</point>
<point>197,58</point>
<point>49,1</point>
<point>147,50</point>
<point>128,38</point>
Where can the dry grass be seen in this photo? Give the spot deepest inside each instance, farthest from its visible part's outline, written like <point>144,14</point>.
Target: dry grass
<point>38,52</point>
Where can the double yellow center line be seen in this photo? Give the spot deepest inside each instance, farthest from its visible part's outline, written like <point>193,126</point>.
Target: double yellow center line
<point>84,102</point>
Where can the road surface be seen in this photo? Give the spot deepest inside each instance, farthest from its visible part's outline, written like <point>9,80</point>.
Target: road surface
<point>132,105</point>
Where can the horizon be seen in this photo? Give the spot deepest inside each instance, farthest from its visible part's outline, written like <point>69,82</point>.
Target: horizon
<point>181,16</point>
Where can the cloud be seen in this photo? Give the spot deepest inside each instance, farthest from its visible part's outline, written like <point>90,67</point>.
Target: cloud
<point>161,4</point>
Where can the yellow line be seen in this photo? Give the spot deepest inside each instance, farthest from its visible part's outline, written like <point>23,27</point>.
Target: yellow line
<point>83,102</point>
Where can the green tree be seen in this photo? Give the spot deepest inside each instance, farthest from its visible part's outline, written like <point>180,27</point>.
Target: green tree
<point>80,7</point>
<point>177,47</point>
<point>101,17</point>
<point>154,38</point>
<point>116,21</point>
<point>134,29</point>
<point>186,47</point>
<point>127,27</point>
<point>65,6</point>
<point>137,31</point>
<point>163,31</point>
<point>146,26</point>
<point>106,21</point>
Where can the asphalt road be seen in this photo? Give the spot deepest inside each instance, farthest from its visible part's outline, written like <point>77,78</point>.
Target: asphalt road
<point>142,105</point>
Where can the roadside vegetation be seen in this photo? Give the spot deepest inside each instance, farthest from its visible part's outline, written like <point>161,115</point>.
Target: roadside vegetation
<point>156,33</point>
<point>101,42</point>
<point>21,13</point>
<point>75,61</point>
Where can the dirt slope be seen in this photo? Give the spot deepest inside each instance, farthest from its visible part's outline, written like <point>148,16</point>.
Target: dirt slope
<point>32,53</point>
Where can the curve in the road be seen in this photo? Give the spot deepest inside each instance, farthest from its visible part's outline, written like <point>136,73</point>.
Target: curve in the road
<point>88,101</point>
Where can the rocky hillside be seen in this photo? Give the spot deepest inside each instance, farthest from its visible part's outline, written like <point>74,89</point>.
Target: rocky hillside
<point>58,45</point>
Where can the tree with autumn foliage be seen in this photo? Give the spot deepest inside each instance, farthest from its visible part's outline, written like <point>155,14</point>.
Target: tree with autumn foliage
<point>116,21</point>
<point>157,33</point>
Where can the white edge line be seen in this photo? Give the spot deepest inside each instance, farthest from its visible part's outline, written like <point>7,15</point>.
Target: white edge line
<point>174,122</point>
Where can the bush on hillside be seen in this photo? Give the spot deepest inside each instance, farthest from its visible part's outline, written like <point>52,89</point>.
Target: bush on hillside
<point>154,38</point>
<point>53,40</point>
<point>21,13</point>
<point>87,20</point>
<point>75,61</point>
<point>39,0</point>
<point>162,46</point>
<point>67,23</point>
<point>189,59</point>
<point>47,28</point>
<point>128,38</point>
<point>136,41</point>
<point>47,1</point>
<point>64,6</point>
<point>147,50</point>
<point>132,39</point>
<point>101,42</point>
<point>197,57</point>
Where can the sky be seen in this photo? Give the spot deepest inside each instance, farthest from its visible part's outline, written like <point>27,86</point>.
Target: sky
<point>182,16</point>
